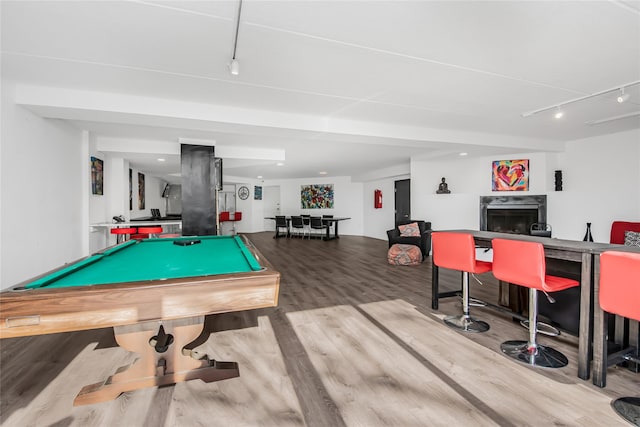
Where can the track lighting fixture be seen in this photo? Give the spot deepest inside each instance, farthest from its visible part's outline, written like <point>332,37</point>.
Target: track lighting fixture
<point>234,66</point>
<point>623,97</point>
<point>559,113</point>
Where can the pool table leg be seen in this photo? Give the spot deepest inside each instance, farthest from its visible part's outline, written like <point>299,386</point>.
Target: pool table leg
<point>159,364</point>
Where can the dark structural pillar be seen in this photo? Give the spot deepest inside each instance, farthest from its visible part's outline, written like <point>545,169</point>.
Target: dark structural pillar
<point>201,178</point>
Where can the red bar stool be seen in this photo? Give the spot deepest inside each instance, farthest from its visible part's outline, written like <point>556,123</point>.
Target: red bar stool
<point>144,232</point>
<point>523,264</point>
<point>457,251</point>
<point>121,233</point>
<point>620,294</point>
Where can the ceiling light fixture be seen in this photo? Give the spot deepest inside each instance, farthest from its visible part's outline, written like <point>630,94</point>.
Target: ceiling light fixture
<point>464,154</point>
<point>623,97</point>
<point>234,66</point>
<point>162,160</point>
<point>582,98</point>
<point>322,173</point>
<point>559,113</point>
<point>279,164</point>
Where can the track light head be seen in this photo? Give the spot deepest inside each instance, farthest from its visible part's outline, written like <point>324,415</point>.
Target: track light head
<point>559,113</point>
<point>234,67</point>
<point>623,97</point>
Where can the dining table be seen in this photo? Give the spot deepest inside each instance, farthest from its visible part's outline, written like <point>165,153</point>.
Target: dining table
<point>326,221</point>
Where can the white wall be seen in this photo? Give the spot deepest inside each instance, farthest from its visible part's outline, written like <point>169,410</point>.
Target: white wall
<point>601,179</point>
<point>115,200</point>
<point>348,201</point>
<point>376,222</point>
<point>42,192</point>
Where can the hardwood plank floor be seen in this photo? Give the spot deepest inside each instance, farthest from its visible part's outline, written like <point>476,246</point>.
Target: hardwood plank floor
<point>353,342</point>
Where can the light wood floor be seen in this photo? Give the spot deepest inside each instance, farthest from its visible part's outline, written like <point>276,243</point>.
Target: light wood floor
<point>353,342</point>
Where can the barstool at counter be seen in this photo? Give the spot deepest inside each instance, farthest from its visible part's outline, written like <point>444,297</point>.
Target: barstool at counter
<point>523,263</point>
<point>620,294</point>
<point>121,233</point>
<point>146,232</point>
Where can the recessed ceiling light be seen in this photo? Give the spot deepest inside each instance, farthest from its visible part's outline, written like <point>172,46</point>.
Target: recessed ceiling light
<point>464,154</point>
<point>322,173</point>
<point>259,177</point>
<point>279,164</point>
<point>162,160</point>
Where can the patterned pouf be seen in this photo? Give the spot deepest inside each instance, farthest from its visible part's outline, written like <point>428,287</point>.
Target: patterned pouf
<point>404,255</point>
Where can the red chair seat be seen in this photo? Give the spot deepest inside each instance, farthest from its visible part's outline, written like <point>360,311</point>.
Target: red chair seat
<point>457,251</point>
<point>116,231</point>
<point>523,263</point>
<point>619,286</point>
<point>555,283</point>
<point>149,230</point>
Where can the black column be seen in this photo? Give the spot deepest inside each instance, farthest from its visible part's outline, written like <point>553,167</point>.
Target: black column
<point>201,175</point>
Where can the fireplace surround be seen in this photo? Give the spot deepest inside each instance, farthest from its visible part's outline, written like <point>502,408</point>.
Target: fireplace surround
<point>512,214</point>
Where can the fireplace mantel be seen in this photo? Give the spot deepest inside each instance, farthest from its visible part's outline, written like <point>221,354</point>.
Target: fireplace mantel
<point>519,202</point>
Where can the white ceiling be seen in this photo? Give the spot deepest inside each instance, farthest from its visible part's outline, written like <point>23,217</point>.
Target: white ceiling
<point>346,87</point>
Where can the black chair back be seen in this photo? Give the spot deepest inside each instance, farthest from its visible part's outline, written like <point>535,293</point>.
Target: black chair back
<point>316,222</point>
<point>281,221</point>
<point>296,222</point>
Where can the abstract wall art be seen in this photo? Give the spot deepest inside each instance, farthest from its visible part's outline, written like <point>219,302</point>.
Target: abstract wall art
<point>316,196</point>
<point>510,175</point>
<point>140,191</point>
<point>97,176</point>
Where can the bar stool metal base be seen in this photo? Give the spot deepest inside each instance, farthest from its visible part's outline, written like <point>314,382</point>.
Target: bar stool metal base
<point>466,323</point>
<point>628,408</point>
<point>544,357</point>
<point>543,328</point>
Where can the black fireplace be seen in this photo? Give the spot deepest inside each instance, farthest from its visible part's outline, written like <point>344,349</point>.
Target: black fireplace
<point>512,214</point>
<point>516,214</point>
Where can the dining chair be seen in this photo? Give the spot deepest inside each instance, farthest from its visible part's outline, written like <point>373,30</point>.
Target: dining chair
<point>317,224</point>
<point>297,226</point>
<point>306,220</point>
<point>281,223</point>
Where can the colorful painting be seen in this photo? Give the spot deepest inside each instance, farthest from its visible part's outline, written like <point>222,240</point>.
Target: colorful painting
<point>130,189</point>
<point>316,196</point>
<point>140,191</point>
<point>510,175</point>
<point>257,192</point>
<point>97,176</point>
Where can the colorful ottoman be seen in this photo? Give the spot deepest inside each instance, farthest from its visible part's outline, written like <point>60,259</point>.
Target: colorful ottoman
<point>400,254</point>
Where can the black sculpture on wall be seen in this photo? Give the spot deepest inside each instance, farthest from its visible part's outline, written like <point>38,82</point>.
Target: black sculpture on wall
<point>558,175</point>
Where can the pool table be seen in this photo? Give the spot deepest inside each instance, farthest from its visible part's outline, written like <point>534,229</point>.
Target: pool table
<point>155,294</point>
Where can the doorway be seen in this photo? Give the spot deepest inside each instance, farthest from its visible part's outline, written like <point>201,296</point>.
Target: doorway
<point>403,200</point>
<point>271,200</point>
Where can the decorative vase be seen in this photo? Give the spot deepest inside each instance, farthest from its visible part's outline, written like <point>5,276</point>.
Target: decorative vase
<point>587,236</point>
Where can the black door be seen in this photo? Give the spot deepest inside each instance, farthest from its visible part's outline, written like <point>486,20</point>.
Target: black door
<point>403,200</point>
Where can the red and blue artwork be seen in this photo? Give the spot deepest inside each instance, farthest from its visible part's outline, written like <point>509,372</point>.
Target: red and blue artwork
<point>316,196</point>
<point>510,175</point>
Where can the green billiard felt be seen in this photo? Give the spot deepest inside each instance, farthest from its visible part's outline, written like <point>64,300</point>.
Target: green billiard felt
<point>155,259</point>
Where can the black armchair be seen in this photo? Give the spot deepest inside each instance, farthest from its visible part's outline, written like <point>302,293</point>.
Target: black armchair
<point>423,241</point>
